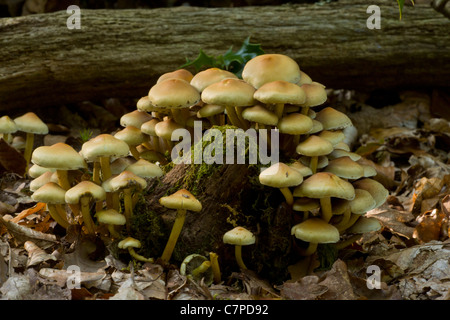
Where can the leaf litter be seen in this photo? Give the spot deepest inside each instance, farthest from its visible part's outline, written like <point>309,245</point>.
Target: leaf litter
<point>406,145</point>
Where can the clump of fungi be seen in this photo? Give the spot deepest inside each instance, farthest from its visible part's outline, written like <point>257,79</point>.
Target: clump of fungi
<point>321,180</point>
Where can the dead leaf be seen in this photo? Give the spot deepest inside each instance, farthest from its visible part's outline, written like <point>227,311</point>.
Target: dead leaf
<point>337,281</point>
<point>11,160</point>
<point>306,288</point>
<point>394,220</point>
<point>21,234</point>
<point>429,227</point>
<point>39,207</point>
<point>36,255</point>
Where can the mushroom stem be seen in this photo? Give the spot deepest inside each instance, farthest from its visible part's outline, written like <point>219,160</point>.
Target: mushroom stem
<point>313,163</point>
<point>231,113</point>
<point>56,216</point>
<point>86,214</point>
<point>113,232</point>
<point>279,108</point>
<point>96,172</point>
<point>287,195</point>
<point>201,268</point>
<point>245,124</point>
<point>178,116</point>
<point>305,110</point>
<point>325,206</point>
<point>63,179</point>
<point>341,225</point>
<point>176,230</point>
<point>128,206</point>
<point>238,255</point>
<point>214,259</point>
<point>28,148</point>
<point>351,221</point>
<point>312,247</point>
<point>138,256</point>
<point>134,152</point>
<point>106,169</point>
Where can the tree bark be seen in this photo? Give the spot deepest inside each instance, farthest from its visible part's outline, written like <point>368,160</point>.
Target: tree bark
<point>120,53</point>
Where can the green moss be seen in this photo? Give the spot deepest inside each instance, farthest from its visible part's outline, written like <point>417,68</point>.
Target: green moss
<point>148,227</point>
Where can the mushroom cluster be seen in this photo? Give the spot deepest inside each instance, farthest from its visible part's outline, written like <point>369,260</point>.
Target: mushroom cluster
<point>327,188</point>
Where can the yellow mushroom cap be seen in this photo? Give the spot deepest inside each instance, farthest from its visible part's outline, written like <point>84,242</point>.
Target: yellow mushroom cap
<point>134,118</point>
<point>314,146</point>
<point>376,189</point>
<point>365,224</point>
<point>7,125</point>
<point>173,93</point>
<point>164,129</point>
<point>104,145</point>
<point>280,175</point>
<point>315,94</point>
<point>182,199</point>
<point>333,119</point>
<point>207,77</point>
<point>149,127</point>
<point>295,124</point>
<point>346,168</point>
<point>131,135</point>
<point>325,184</point>
<point>209,110</point>
<point>239,236</point>
<point>127,179</point>
<point>129,242</point>
<point>280,92</point>
<point>110,216</point>
<point>182,74</point>
<point>145,169</point>
<point>362,202</point>
<point>59,156</point>
<point>316,230</point>
<point>31,123</point>
<point>259,114</point>
<point>270,67</point>
<point>229,92</point>
<point>50,193</point>
<point>83,189</point>
<point>305,204</point>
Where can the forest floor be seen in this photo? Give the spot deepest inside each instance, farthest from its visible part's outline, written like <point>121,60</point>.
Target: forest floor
<point>406,138</point>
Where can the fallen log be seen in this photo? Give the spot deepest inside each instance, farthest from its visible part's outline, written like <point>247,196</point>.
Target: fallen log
<point>120,53</point>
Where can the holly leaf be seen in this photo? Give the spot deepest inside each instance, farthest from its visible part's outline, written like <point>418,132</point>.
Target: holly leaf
<point>233,61</point>
<point>202,60</point>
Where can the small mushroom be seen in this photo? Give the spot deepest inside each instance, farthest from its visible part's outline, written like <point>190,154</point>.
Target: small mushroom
<point>239,237</point>
<point>54,196</point>
<point>182,201</point>
<point>31,124</point>
<point>111,218</point>
<point>280,175</point>
<point>130,244</point>
<point>315,231</point>
<point>82,194</point>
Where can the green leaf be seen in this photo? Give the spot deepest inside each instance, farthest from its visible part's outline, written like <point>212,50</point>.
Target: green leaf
<point>233,61</point>
<point>202,60</point>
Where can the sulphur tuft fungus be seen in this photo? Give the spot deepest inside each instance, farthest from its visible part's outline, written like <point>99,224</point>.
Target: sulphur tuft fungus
<point>280,175</point>
<point>130,244</point>
<point>239,237</point>
<point>315,231</point>
<point>31,124</point>
<point>182,201</point>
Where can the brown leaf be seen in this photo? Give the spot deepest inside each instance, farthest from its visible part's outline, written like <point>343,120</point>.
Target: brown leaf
<point>394,220</point>
<point>337,281</point>
<point>307,288</point>
<point>11,160</point>
<point>429,227</point>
